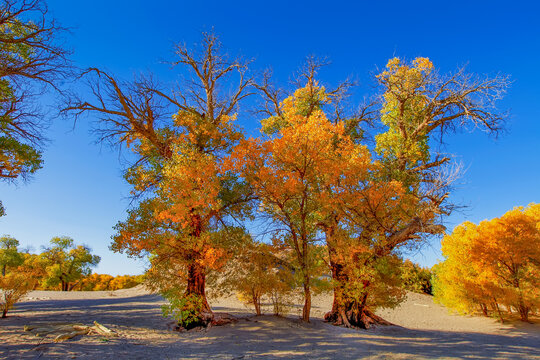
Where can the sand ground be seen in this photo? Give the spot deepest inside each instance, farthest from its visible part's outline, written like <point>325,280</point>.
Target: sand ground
<point>424,331</point>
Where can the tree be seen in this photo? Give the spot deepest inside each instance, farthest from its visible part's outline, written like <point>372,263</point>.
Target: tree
<point>406,195</point>
<point>14,286</point>
<point>16,279</point>
<point>468,291</point>
<point>364,260</point>
<point>498,261</point>
<point>35,267</point>
<point>31,61</point>
<point>95,282</point>
<point>66,264</point>
<point>180,140</point>
<point>126,281</point>
<point>416,278</point>
<point>101,282</point>
<point>368,209</point>
<point>260,271</point>
<point>9,254</point>
<point>289,170</point>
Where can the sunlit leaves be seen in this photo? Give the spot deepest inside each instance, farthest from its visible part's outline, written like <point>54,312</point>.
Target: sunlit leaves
<point>16,277</point>
<point>102,282</point>
<point>66,263</point>
<point>495,262</point>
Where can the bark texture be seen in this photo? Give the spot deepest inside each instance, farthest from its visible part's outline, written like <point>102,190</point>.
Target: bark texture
<point>346,311</point>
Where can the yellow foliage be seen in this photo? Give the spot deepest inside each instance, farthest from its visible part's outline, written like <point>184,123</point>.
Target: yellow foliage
<point>495,262</point>
<point>13,286</point>
<point>403,110</point>
<point>104,282</point>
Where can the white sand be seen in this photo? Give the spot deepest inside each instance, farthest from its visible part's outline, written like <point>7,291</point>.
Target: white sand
<point>425,331</point>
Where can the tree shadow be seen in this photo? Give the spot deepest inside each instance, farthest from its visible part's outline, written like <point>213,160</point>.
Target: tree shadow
<point>252,337</point>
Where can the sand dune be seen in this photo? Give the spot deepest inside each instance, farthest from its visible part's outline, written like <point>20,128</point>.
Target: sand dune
<point>423,330</point>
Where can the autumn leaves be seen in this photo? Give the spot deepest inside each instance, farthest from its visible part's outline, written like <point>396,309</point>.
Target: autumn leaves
<point>493,267</point>
<point>333,198</point>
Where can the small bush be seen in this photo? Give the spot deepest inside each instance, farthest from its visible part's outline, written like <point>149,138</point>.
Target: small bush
<point>186,310</point>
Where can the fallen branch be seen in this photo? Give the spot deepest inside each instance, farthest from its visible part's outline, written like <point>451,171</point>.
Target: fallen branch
<point>67,336</point>
<point>68,331</point>
<point>103,330</point>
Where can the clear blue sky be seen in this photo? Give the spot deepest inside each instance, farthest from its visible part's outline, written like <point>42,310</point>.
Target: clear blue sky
<point>80,191</point>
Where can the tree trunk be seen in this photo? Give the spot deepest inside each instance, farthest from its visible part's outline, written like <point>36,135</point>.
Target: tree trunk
<point>353,314</point>
<point>4,312</point>
<point>307,303</point>
<point>196,284</point>
<point>346,311</point>
<point>498,310</point>
<point>484,309</point>
<point>523,312</point>
<point>256,302</point>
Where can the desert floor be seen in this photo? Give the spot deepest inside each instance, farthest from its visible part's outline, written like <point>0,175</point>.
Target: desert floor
<point>423,330</point>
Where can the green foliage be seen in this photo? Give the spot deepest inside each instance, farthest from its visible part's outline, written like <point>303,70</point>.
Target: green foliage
<point>66,263</point>
<point>416,278</point>
<point>273,124</point>
<point>404,109</point>
<point>380,280</point>
<point>17,158</point>
<point>31,62</point>
<point>185,309</point>
<point>9,254</point>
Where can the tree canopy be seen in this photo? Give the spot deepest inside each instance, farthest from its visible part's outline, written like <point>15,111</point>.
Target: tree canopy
<point>32,60</point>
<point>492,265</point>
<point>333,196</point>
<point>66,263</point>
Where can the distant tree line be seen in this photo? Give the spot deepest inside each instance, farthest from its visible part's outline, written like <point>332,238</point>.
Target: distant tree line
<point>61,266</point>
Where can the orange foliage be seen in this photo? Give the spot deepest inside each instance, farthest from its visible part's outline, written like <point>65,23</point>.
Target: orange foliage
<point>493,263</point>
<point>293,172</point>
<point>101,282</point>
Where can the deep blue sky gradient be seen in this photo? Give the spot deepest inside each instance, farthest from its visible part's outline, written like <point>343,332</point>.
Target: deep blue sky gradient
<point>80,191</point>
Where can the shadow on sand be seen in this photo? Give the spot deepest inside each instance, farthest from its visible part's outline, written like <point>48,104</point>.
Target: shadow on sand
<point>256,337</point>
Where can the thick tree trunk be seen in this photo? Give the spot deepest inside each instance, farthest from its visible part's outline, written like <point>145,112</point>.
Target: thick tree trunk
<point>196,282</point>
<point>353,314</point>
<point>196,285</point>
<point>346,311</point>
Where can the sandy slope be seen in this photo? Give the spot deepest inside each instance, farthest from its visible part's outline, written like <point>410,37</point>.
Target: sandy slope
<point>425,331</point>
